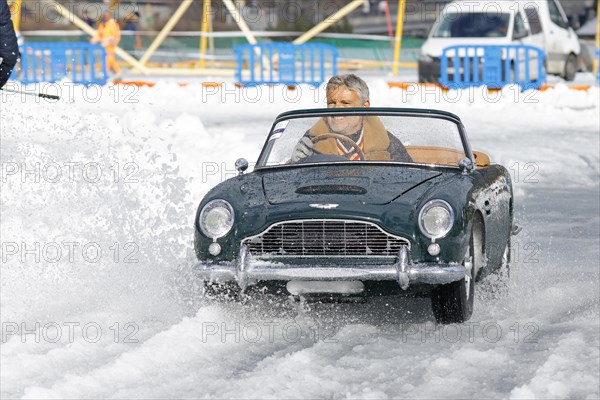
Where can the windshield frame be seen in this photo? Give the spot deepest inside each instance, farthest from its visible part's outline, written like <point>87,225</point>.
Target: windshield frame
<point>377,111</point>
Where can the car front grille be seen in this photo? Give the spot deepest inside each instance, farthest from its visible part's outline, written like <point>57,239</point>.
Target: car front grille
<point>326,239</point>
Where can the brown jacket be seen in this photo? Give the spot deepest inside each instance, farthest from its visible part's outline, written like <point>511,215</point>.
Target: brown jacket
<point>376,141</point>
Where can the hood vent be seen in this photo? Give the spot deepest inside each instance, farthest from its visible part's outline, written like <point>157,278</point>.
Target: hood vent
<point>331,189</point>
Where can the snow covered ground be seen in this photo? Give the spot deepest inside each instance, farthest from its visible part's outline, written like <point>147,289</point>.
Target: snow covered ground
<point>98,197</point>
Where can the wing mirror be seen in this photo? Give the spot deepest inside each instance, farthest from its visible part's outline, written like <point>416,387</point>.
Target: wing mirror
<point>519,35</point>
<point>573,21</point>
<point>241,165</point>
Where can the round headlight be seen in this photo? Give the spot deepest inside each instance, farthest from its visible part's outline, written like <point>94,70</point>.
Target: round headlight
<point>436,219</point>
<point>216,219</point>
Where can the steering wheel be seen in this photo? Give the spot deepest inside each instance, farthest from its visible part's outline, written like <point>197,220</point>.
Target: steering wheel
<point>329,135</point>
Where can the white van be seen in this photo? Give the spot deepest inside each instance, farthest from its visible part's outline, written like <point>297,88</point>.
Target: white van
<point>540,23</point>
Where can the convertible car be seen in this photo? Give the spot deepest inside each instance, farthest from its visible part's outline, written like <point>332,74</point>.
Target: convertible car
<point>326,215</point>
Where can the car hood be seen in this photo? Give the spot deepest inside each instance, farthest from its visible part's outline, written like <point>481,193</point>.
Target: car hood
<point>368,184</point>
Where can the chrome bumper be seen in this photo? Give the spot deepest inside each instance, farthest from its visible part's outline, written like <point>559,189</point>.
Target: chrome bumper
<point>246,272</point>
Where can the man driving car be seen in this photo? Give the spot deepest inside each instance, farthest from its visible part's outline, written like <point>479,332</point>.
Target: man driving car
<point>353,137</point>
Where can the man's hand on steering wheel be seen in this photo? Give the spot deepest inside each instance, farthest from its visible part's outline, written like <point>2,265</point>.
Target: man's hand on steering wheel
<point>341,138</point>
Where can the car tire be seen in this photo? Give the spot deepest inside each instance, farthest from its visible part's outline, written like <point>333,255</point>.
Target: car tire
<point>570,68</point>
<point>453,302</point>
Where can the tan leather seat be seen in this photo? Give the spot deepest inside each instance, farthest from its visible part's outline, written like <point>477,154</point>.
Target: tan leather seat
<point>482,159</point>
<point>435,155</point>
<point>444,156</point>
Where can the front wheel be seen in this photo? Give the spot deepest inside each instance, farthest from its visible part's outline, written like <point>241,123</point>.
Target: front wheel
<point>453,302</point>
<point>570,67</point>
<point>424,79</point>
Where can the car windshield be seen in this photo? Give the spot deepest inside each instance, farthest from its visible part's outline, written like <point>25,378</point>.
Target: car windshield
<point>463,25</point>
<point>342,135</point>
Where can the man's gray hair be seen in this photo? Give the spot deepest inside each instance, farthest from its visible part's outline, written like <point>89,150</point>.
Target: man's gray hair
<point>352,82</point>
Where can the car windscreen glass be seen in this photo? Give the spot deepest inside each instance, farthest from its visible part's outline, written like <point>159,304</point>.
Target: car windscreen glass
<point>391,138</point>
<point>461,25</point>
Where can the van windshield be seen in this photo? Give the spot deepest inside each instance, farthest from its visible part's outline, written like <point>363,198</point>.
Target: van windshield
<point>461,25</point>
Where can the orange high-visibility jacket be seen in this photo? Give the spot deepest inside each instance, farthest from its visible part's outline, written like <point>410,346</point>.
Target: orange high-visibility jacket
<point>109,34</point>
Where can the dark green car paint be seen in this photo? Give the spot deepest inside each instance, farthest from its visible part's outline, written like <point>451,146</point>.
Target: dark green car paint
<point>387,194</point>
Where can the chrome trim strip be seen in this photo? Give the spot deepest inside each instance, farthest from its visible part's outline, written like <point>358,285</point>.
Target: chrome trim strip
<point>247,272</point>
<point>337,257</point>
<point>416,273</point>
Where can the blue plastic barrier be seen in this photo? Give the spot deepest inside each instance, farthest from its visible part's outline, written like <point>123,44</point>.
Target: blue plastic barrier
<point>83,63</point>
<point>494,66</point>
<point>597,66</point>
<point>285,63</point>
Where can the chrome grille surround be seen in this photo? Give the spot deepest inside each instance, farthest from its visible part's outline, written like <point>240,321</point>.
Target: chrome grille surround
<point>325,238</point>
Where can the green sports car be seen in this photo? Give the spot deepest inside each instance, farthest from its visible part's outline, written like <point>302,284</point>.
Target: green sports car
<point>351,203</point>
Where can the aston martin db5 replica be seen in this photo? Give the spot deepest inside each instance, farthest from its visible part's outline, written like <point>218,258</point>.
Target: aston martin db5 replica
<point>352,203</point>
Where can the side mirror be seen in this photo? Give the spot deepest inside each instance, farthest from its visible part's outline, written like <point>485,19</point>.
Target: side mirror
<point>466,165</point>
<point>573,21</point>
<point>241,165</point>
<point>519,35</point>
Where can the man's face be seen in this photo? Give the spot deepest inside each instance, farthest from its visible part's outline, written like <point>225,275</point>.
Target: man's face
<point>107,16</point>
<point>342,97</point>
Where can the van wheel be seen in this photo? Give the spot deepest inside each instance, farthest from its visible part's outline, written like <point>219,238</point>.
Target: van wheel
<point>570,67</point>
<point>425,79</point>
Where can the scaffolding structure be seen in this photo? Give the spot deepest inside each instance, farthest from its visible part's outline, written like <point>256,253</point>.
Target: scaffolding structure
<point>142,66</point>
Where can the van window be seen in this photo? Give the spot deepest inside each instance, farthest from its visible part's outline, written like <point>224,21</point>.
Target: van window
<point>555,15</point>
<point>520,31</point>
<point>459,25</point>
<point>534,20</point>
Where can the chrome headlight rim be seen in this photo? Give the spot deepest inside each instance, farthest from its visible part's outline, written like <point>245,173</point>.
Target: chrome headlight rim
<point>430,205</point>
<point>211,205</point>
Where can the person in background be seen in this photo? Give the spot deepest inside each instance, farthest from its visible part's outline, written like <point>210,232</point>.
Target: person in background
<point>149,20</point>
<point>109,36</point>
<point>9,49</point>
<point>131,22</point>
<point>366,7</point>
<point>373,6</point>
<point>88,20</point>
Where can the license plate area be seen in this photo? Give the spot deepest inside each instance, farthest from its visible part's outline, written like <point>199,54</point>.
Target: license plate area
<point>299,288</point>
